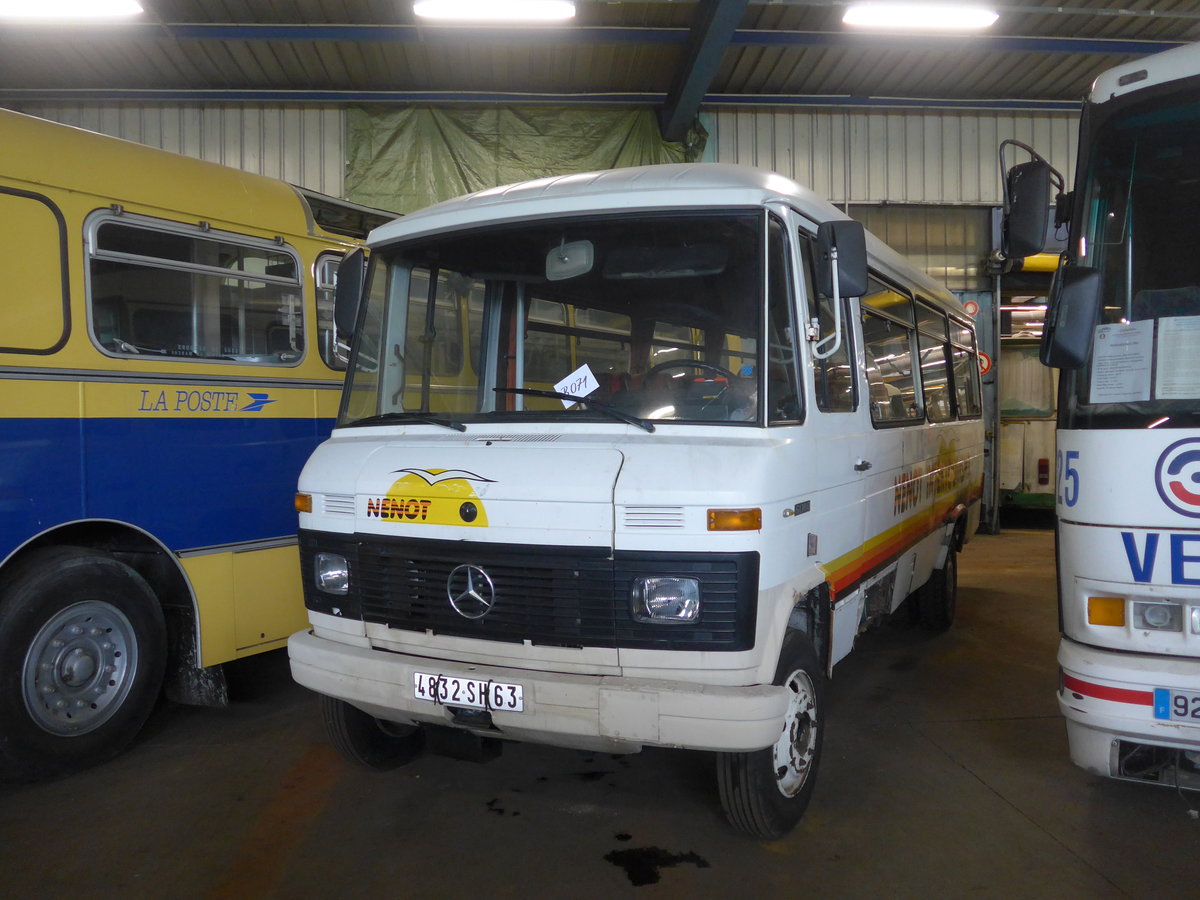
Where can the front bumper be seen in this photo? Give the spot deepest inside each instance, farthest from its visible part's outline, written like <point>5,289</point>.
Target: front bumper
<point>1107,698</point>
<point>607,713</point>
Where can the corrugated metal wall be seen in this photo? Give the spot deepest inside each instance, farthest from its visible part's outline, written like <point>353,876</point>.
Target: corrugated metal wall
<point>869,156</point>
<point>894,156</point>
<point>304,145</point>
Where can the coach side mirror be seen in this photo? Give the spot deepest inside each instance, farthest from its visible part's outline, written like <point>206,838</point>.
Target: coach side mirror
<point>1073,310</point>
<point>841,259</point>
<point>1027,217</point>
<point>841,272</point>
<point>350,276</point>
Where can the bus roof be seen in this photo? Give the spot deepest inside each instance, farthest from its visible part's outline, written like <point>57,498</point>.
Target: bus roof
<point>37,152</point>
<point>638,189</point>
<point>1159,68</point>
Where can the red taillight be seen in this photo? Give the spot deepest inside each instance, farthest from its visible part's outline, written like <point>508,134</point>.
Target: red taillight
<point>1043,471</point>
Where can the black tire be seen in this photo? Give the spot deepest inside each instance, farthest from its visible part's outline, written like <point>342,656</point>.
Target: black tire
<point>765,792</point>
<point>366,741</point>
<point>938,598</point>
<point>82,655</point>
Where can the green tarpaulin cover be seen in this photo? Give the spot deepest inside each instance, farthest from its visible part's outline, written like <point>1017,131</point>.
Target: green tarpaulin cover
<point>406,159</point>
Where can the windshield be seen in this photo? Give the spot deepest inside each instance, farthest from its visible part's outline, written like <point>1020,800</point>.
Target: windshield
<point>1140,230</point>
<point>629,318</point>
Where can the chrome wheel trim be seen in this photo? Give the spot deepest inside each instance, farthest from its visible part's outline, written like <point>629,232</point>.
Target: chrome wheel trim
<point>795,752</point>
<point>79,668</point>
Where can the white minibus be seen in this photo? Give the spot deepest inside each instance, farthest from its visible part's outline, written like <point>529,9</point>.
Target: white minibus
<point>629,459</point>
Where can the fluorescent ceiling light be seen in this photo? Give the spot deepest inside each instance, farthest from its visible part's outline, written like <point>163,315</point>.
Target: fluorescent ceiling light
<point>496,10</point>
<point>919,16</point>
<point>65,10</point>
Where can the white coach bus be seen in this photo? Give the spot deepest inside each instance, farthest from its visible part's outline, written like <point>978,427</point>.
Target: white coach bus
<point>1124,328</point>
<point>629,459</point>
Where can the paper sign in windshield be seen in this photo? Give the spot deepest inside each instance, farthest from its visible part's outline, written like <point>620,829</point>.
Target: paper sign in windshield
<point>1121,362</point>
<point>579,383</point>
<point>1177,374</point>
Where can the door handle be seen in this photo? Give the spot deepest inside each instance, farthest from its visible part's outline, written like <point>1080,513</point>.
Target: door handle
<point>861,465</point>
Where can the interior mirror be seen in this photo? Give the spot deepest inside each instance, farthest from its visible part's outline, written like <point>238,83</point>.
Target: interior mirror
<point>1027,190</point>
<point>846,243</point>
<point>570,260</point>
<point>350,276</point>
<point>1071,317</point>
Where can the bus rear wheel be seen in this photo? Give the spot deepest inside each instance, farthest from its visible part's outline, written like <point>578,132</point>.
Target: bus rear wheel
<point>82,654</point>
<point>366,741</point>
<point>765,792</point>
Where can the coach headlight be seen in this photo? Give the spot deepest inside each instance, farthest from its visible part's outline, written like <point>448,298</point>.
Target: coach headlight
<point>666,600</point>
<point>331,573</point>
<point>1158,616</point>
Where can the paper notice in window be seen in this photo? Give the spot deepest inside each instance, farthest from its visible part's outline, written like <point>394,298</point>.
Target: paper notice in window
<point>1177,373</point>
<point>579,383</point>
<point>1121,362</point>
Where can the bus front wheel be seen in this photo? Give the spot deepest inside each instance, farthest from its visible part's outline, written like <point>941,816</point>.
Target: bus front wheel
<point>366,741</point>
<point>82,654</point>
<point>765,792</point>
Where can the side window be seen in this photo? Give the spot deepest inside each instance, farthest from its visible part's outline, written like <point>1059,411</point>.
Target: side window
<point>783,393</point>
<point>334,351</point>
<point>33,315</point>
<point>966,371</point>
<point>162,290</point>
<point>888,342</point>
<point>935,364</point>
<point>833,377</point>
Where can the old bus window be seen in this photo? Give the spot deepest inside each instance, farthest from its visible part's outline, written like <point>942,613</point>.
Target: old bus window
<point>935,365</point>
<point>966,371</point>
<point>888,345</point>
<point>33,316</point>
<point>833,377</point>
<point>158,290</point>
<point>334,350</point>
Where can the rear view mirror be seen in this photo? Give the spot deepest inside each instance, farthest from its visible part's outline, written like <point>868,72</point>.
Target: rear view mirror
<point>1074,310</point>
<point>348,294</point>
<point>569,260</point>
<point>1027,190</point>
<point>841,259</point>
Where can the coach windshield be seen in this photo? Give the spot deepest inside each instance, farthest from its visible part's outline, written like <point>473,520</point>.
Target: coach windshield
<point>641,319</point>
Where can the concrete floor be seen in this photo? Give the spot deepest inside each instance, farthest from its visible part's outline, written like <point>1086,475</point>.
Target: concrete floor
<point>945,775</point>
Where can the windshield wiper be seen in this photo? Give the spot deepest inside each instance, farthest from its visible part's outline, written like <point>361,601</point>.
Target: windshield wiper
<point>409,417</point>
<point>593,404</point>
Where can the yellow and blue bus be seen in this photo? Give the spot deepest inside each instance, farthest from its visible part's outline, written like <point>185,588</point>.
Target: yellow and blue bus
<point>168,360</point>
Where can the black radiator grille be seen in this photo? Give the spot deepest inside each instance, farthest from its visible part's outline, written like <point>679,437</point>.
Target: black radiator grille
<point>551,596</point>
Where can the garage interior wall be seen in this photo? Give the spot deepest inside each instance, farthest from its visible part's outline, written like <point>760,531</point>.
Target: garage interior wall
<point>304,145</point>
<point>848,156</point>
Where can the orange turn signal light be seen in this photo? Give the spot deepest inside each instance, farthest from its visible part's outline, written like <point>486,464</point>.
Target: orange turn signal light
<point>1106,611</point>
<point>734,519</point>
<point>304,503</point>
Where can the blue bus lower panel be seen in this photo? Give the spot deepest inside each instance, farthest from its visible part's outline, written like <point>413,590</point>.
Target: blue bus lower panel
<point>188,482</point>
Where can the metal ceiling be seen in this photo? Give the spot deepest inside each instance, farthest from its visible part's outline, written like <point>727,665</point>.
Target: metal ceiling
<point>672,54</point>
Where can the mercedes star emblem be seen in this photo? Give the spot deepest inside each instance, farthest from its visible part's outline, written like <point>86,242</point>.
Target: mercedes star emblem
<point>471,592</point>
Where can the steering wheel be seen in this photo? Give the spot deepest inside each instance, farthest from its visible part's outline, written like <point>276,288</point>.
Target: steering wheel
<point>697,364</point>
